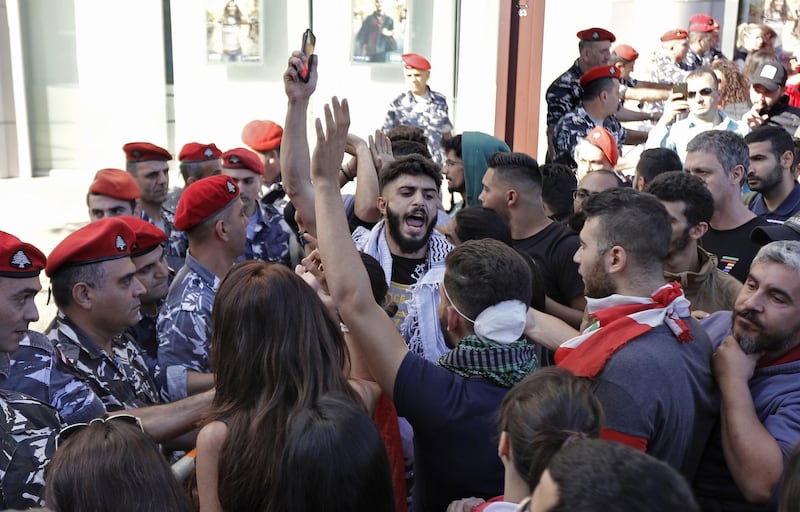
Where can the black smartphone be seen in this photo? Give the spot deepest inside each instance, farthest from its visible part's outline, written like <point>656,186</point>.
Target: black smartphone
<point>307,47</point>
<point>681,89</point>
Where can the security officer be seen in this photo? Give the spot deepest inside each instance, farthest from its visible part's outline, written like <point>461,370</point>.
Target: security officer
<point>113,192</point>
<point>197,161</point>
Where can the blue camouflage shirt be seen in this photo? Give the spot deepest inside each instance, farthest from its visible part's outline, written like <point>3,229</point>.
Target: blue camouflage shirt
<point>120,379</point>
<point>184,326</point>
<point>177,243</point>
<point>564,94</point>
<point>576,125</point>
<point>429,113</point>
<point>28,429</point>
<point>267,236</point>
<point>39,370</point>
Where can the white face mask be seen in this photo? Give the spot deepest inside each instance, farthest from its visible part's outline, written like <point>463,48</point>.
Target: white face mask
<point>503,322</point>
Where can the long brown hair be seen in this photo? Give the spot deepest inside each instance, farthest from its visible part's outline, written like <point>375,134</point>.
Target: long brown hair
<point>274,351</point>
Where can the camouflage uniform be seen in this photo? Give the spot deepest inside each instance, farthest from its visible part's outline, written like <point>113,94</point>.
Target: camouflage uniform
<point>177,243</point>
<point>564,94</point>
<point>431,115</point>
<point>120,379</point>
<point>694,61</point>
<point>575,126</point>
<point>146,338</point>
<point>184,327</point>
<point>28,428</point>
<point>267,236</point>
<point>39,370</point>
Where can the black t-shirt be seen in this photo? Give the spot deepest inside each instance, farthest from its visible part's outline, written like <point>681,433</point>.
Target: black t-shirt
<point>733,248</point>
<point>553,249</point>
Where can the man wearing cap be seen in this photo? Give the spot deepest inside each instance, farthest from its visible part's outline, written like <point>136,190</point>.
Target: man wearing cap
<point>668,66</point>
<point>147,163</point>
<point>147,254</point>
<point>564,94</point>
<point>421,106</point>
<point>704,114</point>
<point>596,152</point>
<point>721,160</point>
<point>264,137</point>
<point>212,215</point>
<point>268,235</point>
<point>113,192</point>
<point>27,426</point>
<point>197,161</point>
<point>599,103</point>
<point>770,104</point>
<point>703,41</point>
<point>771,174</point>
<point>623,57</point>
<point>653,162</point>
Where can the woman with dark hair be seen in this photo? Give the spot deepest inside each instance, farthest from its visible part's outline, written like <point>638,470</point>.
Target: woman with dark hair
<point>535,418</point>
<point>110,465</point>
<point>275,350</point>
<point>334,460</point>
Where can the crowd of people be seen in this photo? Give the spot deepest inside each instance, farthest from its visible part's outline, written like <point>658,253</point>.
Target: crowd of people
<point>566,336</point>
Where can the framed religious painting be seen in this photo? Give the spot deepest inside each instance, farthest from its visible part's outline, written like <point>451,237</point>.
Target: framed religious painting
<point>233,31</point>
<point>380,30</point>
<point>769,24</point>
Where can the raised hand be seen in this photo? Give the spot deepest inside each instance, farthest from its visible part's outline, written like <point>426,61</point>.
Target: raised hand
<point>329,150</point>
<point>381,148</point>
<point>296,89</point>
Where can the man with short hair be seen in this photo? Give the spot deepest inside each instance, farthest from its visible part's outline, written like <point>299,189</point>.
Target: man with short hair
<point>28,428</point>
<point>771,174</point>
<point>197,161</point>
<point>770,104</point>
<point>720,159</point>
<point>421,106</point>
<point>212,215</point>
<point>652,162</point>
<point>641,331</point>
<point>591,183</point>
<point>756,366</point>
<point>483,298</point>
<point>147,163</point>
<point>668,65</point>
<point>113,192</point>
<point>467,160</point>
<point>690,207</point>
<point>512,186</point>
<point>268,235</point>
<point>704,114</point>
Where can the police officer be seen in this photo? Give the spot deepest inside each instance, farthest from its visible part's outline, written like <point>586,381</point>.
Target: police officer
<point>197,161</point>
<point>113,192</point>
<point>212,215</point>
<point>264,137</point>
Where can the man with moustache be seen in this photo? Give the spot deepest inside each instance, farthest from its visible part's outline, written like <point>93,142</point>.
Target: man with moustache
<point>770,175</point>
<point>757,366</point>
<point>648,360</point>
<point>467,160</point>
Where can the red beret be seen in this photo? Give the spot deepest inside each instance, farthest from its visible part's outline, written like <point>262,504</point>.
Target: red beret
<point>415,61</point>
<point>601,138</point>
<point>674,35</point>
<point>143,151</point>
<point>115,183</point>
<point>597,73</point>
<point>19,259</point>
<point>242,158</point>
<point>101,240</point>
<point>596,34</point>
<point>262,136</point>
<point>702,23</point>
<point>148,236</point>
<point>626,52</point>
<point>204,198</point>
<point>196,152</point>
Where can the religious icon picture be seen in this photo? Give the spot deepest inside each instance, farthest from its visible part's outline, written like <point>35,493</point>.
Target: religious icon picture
<point>233,31</point>
<point>380,30</point>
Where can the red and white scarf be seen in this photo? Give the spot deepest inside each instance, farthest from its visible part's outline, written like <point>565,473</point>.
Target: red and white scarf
<point>617,319</point>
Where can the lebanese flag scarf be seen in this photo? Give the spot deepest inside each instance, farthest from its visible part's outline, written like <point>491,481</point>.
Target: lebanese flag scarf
<point>617,319</point>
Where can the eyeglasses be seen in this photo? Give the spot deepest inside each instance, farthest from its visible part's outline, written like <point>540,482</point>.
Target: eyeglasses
<point>705,91</point>
<point>581,193</point>
<point>69,430</point>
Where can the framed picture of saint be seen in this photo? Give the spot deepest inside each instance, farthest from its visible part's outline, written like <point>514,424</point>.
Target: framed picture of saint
<point>233,31</point>
<point>380,29</point>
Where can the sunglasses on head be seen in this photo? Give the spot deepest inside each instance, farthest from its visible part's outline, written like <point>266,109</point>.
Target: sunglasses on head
<point>69,430</point>
<point>705,91</point>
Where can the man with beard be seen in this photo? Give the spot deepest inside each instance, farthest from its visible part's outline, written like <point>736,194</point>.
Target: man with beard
<point>467,160</point>
<point>771,162</point>
<point>770,103</point>
<point>757,366</point>
<point>648,360</point>
<point>512,186</point>
<point>690,206</point>
<point>592,183</point>
<point>484,293</point>
<point>147,163</point>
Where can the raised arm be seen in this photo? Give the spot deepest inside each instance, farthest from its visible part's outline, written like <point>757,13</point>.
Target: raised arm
<point>366,197</point>
<point>347,279</point>
<point>295,160</point>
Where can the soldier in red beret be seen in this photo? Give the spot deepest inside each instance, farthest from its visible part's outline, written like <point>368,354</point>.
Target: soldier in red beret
<point>265,137</point>
<point>211,214</point>
<point>420,106</point>
<point>564,94</point>
<point>148,165</point>
<point>624,57</point>
<point>197,161</point>
<point>113,192</point>
<point>268,235</point>
<point>703,41</point>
